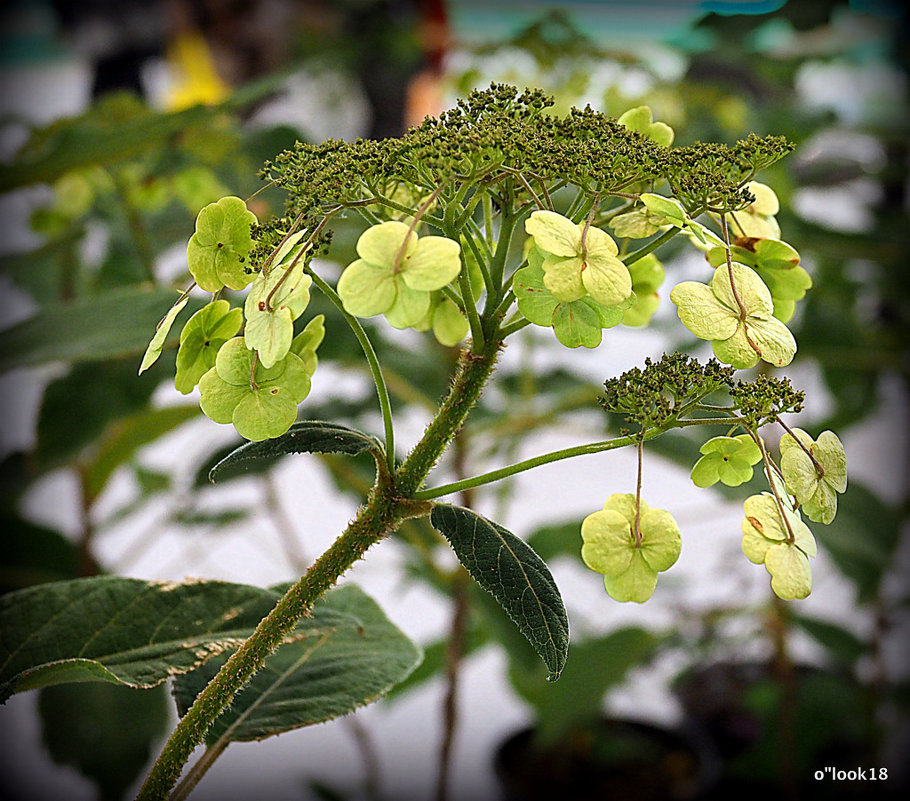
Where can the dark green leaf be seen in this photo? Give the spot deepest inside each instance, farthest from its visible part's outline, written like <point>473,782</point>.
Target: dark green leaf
<point>103,730</point>
<point>843,644</point>
<point>114,324</point>
<point>596,666</point>
<point>346,655</point>
<point>307,436</point>
<point>78,408</point>
<point>119,630</point>
<point>508,569</point>
<point>862,538</point>
<point>33,554</point>
<point>124,438</point>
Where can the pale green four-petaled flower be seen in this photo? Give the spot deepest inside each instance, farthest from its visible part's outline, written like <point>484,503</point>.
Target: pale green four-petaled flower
<point>273,303</point>
<point>726,459</point>
<point>740,324</point>
<point>579,260</point>
<point>815,489</point>
<point>767,540</point>
<point>396,272</point>
<point>260,401</point>
<point>217,252</point>
<point>202,336</point>
<point>629,569</point>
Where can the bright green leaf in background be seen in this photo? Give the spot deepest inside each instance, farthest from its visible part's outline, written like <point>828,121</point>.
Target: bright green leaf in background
<point>726,459</point>
<point>204,333</point>
<point>216,254</point>
<point>629,569</point>
<point>713,313</point>
<point>347,655</point>
<point>815,486</point>
<point>783,543</point>
<point>514,575</point>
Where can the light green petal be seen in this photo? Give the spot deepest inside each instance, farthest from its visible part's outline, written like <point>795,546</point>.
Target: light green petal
<point>755,296</point>
<point>435,262</point>
<point>294,377</point>
<point>289,290</point>
<point>789,284</point>
<point>153,351</point>
<point>202,336</point>
<point>366,290</point>
<point>754,545</point>
<point>791,576</point>
<point>766,201</point>
<point>732,472</point>
<point>773,254</point>
<point>821,506</point>
<point>234,362</point>
<point>642,310</point>
<point>702,237</point>
<point>624,504</point>
<point>775,343</point>
<point>660,539</point>
<point>608,547</point>
<point>735,350</point>
<point>535,301</point>
<point>265,413</point>
<point>607,279</point>
<point>787,442</point>
<point>609,316</point>
<point>802,536</point>
<point>702,313</point>
<point>637,583</point>
<point>449,324</point>
<point>755,226</point>
<point>639,119</point>
<point>308,341</point>
<point>287,251</point>
<point>380,244</point>
<point>635,224</point>
<point>218,398</point>
<point>830,452</point>
<point>598,243</point>
<point>562,278</point>
<point>705,473</point>
<point>271,334</point>
<point>763,516</point>
<point>576,324</point>
<point>668,208</point>
<point>647,274</point>
<point>554,233</point>
<point>409,308</point>
<point>800,474</point>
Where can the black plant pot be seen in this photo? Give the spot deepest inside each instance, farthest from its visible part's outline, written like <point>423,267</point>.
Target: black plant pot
<point>614,760</point>
<point>774,733</point>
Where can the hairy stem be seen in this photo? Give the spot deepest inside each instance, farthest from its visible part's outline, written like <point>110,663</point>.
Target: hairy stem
<point>388,504</point>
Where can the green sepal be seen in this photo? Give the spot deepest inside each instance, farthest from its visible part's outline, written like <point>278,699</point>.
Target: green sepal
<point>640,119</point>
<point>217,252</point>
<point>153,351</point>
<point>202,336</point>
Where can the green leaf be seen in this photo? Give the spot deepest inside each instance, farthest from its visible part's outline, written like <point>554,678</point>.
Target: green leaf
<point>841,642</point>
<point>91,328</point>
<point>157,342</point>
<point>104,731</point>
<point>120,630</point>
<point>348,654</point>
<point>123,438</point>
<point>519,580</point>
<point>307,436</point>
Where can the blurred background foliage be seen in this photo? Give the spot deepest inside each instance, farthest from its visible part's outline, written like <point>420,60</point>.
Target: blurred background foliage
<point>112,195</point>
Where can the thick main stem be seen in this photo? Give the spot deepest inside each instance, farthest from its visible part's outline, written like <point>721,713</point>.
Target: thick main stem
<point>389,503</point>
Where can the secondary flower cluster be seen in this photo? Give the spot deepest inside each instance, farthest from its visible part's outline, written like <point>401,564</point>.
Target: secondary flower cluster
<point>254,380</point>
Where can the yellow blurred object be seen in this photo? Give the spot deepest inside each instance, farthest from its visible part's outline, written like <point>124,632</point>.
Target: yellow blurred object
<point>195,79</point>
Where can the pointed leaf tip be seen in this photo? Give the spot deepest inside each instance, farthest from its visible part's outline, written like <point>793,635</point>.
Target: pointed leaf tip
<point>519,580</point>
